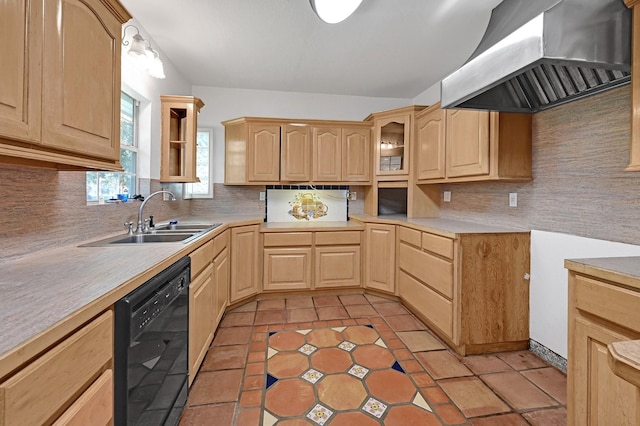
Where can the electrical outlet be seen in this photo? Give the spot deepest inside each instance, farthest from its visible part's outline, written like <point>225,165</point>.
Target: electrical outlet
<point>447,196</point>
<point>513,199</point>
<point>263,195</point>
<point>352,195</point>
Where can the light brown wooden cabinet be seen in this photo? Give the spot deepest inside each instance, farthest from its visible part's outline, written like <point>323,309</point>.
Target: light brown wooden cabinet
<point>179,138</point>
<point>380,257</point>
<point>337,259</point>
<point>221,275</point>
<point>478,146</point>
<point>60,106</point>
<point>244,262</point>
<point>71,381</point>
<point>601,312</point>
<point>295,153</point>
<point>342,154</point>
<point>392,140</point>
<point>471,290</point>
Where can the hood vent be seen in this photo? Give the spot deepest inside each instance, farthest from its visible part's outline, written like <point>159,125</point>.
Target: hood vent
<point>542,53</point>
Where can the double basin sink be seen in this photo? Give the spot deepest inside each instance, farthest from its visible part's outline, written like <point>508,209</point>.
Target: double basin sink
<point>180,233</point>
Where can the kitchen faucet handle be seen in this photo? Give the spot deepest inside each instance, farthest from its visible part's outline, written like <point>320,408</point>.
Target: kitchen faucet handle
<point>145,228</point>
<point>129,225</point>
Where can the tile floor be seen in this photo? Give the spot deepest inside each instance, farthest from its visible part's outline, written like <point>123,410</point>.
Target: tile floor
<point>361,360</point>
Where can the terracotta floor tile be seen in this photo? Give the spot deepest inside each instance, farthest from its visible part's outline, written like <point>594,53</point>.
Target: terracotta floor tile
<point>411,366</point>
<point>353,299</point>
<point>331,360</point>
<point>372,298</point>
<point>232,336</point>
<point>324,338</point>
<point>301,315</point>
<point>390,386</point>
<point>473,397</point>
<point>299,302</point>
<point>304,325</point>
<point>404,323</point>
<point>410,415</point>
<point>211,387</point>
<point>392,308</point>
<point>341,392</point>
<point>360,311</point>
<point>255,368</point>
<point>251,398</point>
<point>225,358</point>
<point>553,417</point>
<point>256,356</point>
<point>247,307</point>
<point>511,419</point>
<point>334,323</point>
<point>450,414</point>
<point>249,417</point>
<point>519,393</point>
<point>373,357</point>
<point>289,398</point>
<point>420,341</point>
<point>550,380</point>
<point>422,379</point>
<point>441,364</point>
<point>482,364</point>
<point>294,422</point>
<point>522,360</point>
<point>349,321</point>
<point>353,419</point>
<point>197,416</point>
<point>395,344</point>
<point>259,328</point>
<point>287,364</point>
<point>270,317</point>
<point>258,346</point>
<point>403,354</point>
<point>332,312</point>
<point>271,305</point>
<point>435,396</point>
<point>360,335</point>
<point>319,324</point>
<point>259,337</point>
<point>233,319</point>
<point>286,340</point>
<point>322,301</point>
<point>253,382</point>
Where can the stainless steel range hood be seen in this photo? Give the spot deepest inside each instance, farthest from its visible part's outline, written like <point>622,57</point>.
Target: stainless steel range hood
<point>537,54</point>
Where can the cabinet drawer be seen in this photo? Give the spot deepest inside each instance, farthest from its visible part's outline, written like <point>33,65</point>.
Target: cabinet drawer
<point>337,238</point>
<point>435,307</point>
<point>409,236</point>
<point>94,407</point>
<point>433,271</point>
<point>615,304</point>
<point>438,245</point>
<point>200,258</point>
<point>283,239</point>
<point>220,243</point>
<point>40,391</point>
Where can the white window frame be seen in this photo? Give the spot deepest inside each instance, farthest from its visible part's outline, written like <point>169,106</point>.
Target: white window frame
<point>188,186</point>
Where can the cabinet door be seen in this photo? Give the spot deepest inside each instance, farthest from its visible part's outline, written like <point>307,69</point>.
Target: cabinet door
<point>327,153</point>
<point>244,262</point>
<point>81,78</point>
<point>221,274</point>
<point>599,397</point>
<point>393,137</point>
<point>467,143</point>
<point>287,268</point>
<point>430,163</point>
<point>20,85</point>
<point>201,318</point>
<point>179,138</point>
<point>356,155</point>
<point>380,256</point>
<point>264,153</point>
<point>337,266</point>
<point>295,153</point>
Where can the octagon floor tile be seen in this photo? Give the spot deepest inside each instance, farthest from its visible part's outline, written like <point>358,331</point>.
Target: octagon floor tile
<point>360,334</point>
<point>324,337</point>
<point>331,360</point>
<point>390,386</point>
<point>373,357</point>
<point>353,419</point>
<point>410,415</point>
<point>341,392</point>
<point>286,340</point>
<point>290,398</point>
<point>287,364</point>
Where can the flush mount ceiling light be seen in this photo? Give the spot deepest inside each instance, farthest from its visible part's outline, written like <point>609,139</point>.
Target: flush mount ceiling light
<point>144,54</point>
<point>334,11</point>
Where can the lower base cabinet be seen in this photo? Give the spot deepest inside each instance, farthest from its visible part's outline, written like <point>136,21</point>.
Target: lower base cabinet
<point>337,267</point>
<point>380,257</point>
<point>244,262</point>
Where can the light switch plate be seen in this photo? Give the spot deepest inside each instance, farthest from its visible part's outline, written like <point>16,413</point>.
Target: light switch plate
<point>447,196</point>
<point>513,199</point>
<point>263,195</point>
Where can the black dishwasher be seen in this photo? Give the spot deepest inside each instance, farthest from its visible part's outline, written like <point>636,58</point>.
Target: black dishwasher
<point>151,349</point>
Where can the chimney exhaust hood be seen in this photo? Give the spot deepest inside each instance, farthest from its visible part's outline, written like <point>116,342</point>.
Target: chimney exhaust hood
<point>537,54</point>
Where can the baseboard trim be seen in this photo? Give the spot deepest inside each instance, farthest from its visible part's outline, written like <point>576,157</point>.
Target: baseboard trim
<point>548,355</point>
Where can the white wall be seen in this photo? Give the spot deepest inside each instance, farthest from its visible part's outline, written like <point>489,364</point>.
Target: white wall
<point>223,104</point>
<point>429,96</point>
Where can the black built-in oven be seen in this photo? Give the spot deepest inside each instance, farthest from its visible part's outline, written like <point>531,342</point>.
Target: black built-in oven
<point>151,348</point>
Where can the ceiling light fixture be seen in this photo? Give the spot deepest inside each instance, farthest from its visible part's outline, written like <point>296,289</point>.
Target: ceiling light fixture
<point>334,11</point>
<point>144,54</point>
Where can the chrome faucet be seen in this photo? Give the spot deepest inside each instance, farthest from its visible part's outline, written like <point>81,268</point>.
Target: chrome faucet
<point>140,226</point>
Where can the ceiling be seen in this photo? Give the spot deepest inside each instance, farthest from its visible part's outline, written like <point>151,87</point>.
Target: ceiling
<point>387,48</point>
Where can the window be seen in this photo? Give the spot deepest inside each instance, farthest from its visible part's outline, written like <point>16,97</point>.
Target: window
<point>103,186</point>
<point>204,188</point>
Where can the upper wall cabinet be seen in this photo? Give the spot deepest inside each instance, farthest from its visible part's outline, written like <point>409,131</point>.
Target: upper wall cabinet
<point>465,146</point>
<point>179,138</point>
<point>263,151</point>
<point>60,86</point>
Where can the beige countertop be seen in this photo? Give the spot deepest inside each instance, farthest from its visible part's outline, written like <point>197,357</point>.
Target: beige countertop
<point>311,226</point>
<point>444,227</point>
<point>624,270</point>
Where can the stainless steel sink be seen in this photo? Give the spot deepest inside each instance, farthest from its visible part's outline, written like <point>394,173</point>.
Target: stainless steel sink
<point>163,234</point>
<point>186,227</point>
<point>153,238</point>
